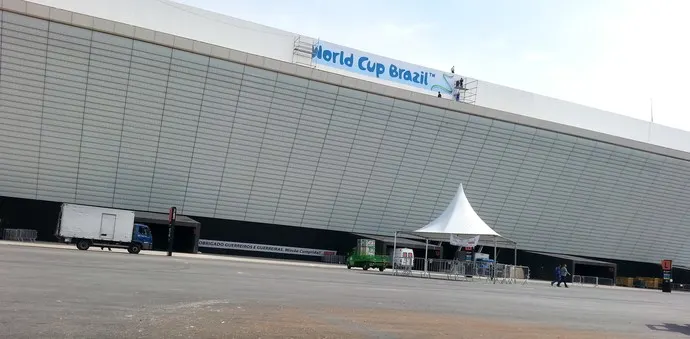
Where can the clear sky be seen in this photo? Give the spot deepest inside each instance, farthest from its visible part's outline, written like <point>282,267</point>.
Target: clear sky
<point>614,55</point>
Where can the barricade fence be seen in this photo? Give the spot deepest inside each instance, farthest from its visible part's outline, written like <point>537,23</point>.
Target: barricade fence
<point>465,270</point>
<point>680,287</point>
<point>20,235</point>
<point>334,259</point>
<point>451,269</point>
<point>593,281</point>
<point>606,282</point>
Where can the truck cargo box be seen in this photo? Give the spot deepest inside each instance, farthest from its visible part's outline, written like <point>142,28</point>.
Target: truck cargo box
<point>97,223</point>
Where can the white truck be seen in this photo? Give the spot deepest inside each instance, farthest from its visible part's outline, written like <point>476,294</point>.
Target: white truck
<point>403,258</point>
<point>88,226</point>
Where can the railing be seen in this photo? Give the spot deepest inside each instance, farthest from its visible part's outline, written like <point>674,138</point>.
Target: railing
<point>20,235</point>
<point>334,259</point>
<point>452,269</point>
<point>592,281</point>
<point>680,287</point>
<point>465,270</point>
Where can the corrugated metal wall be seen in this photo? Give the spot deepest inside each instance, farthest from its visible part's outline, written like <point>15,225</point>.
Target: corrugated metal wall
<point>97,119</point>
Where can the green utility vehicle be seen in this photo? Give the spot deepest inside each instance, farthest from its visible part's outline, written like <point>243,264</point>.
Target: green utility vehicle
<point>364,256</point>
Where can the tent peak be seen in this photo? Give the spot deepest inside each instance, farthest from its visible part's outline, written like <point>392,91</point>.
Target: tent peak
<point>458,218</point>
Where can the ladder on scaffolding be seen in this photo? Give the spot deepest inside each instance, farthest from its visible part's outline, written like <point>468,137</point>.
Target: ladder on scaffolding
<point>302,51</point>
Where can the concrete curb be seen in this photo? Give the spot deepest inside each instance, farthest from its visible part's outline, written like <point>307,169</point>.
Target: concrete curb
<point>199,256</point>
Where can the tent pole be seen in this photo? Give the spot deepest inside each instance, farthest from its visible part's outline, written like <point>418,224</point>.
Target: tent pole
<point>514,269</point>
<point>515,255</point>
<point>573,272</point>
<point>615,274</point>
<point>493,273</point>
<point>395,246</point>
<point>426,256</point>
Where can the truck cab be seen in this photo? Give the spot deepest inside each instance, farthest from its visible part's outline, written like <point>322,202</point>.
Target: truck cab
<point>142,234</point>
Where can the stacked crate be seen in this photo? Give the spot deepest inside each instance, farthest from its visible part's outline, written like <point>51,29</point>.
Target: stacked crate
<point>648,282</point>
<point>654,283</point>
<point>624,281</point>
<point>366,247</point>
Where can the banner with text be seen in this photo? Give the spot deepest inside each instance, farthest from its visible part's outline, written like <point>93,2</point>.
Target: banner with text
<point>457,241</point>
<point>242,246</point>
<point>355,61</point>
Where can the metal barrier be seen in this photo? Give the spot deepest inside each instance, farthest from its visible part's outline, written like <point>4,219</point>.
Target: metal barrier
<point>453,269</point>
<point>606,282</point>
<point>680,287</point>
<point>334,259</point>
<point>466,270</point>
<point>514,274</point>
<point>20,235</point>
<point>593,281</point>
<point>461,270</point>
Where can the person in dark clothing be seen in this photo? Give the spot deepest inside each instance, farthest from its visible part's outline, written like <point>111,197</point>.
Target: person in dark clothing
<point>439,94</point>
<point>557,275</point>
<point>462,83</point>
<point>564,274</point>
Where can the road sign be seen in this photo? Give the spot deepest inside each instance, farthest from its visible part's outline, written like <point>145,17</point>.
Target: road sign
<point>172,214</point>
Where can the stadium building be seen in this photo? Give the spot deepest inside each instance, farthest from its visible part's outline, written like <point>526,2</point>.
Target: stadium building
<point>268,137</point>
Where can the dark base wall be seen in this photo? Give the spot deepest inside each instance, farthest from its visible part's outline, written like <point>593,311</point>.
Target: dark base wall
<point>43,216</point>
<point>30,214</point>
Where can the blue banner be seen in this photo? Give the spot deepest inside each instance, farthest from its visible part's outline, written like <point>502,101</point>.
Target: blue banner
<point>351,60</point>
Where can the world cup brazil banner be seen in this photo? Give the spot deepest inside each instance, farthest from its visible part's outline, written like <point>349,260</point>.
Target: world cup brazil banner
<point>352,60</point>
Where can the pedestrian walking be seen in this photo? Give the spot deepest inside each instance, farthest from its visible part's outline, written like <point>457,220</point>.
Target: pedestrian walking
<point>564,274</point>
<point>556,275</point>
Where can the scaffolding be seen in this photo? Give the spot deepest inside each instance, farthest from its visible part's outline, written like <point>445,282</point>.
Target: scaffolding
<point>302,51</point>
<point>468,94</point>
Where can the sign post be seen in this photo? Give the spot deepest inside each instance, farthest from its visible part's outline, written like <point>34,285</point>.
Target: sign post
<point>667,268</point>
<point>172,215</point>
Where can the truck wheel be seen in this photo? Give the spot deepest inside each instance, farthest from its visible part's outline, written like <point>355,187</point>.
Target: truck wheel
<point>83,244</point>
<point>381,269</point>
<point>365,267</point>
<point>348,266</point>
<point>134,249</point>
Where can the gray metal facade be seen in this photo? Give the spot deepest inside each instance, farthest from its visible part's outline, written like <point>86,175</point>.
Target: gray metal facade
<point>93,118</point>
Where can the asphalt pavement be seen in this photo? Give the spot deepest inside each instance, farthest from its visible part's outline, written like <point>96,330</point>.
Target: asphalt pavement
<point>59,293</point>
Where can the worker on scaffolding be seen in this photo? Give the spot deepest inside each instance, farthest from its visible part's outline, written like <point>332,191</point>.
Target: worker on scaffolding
<point>458,88</point>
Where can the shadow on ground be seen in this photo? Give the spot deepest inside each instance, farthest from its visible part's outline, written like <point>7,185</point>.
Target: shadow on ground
<point>673,328</point>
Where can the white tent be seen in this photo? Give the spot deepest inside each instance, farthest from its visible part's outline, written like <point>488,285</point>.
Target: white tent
<point>460,219</point>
